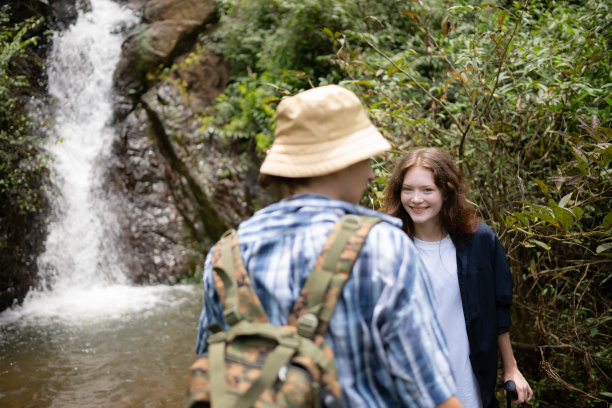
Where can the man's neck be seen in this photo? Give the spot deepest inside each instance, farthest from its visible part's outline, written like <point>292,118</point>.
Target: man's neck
<point>324,185</point>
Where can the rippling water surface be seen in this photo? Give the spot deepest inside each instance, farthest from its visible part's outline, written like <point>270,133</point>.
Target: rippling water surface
<point>125,347</point>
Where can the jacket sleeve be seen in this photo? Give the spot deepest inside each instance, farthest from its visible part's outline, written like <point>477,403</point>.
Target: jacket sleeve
<point>503,286</point>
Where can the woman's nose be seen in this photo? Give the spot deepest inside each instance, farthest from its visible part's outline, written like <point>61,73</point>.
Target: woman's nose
<point>416,197</point>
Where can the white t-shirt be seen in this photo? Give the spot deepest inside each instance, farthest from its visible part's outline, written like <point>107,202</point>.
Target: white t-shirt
<point>440,260</point>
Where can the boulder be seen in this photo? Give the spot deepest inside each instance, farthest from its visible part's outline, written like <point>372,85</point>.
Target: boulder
<point>170,28</point>
<point>196,10</point>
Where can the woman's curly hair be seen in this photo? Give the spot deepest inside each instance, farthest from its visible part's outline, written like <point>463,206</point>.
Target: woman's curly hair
<point>457,215</point>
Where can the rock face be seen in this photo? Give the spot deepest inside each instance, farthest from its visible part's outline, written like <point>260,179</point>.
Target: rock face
<point>173,203</point>
<point>22,240</point>
<point>173,208</point>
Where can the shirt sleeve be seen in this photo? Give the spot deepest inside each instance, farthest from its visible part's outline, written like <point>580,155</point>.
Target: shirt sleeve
<point>414,342</point>
<point>212,311</point>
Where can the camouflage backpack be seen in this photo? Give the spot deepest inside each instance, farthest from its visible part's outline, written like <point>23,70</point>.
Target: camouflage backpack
<point>257,364</point>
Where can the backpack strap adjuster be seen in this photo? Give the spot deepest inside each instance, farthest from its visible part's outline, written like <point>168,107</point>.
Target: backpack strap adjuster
<point>291,342</point>
<point>351,222</point>
<point>307,325</point>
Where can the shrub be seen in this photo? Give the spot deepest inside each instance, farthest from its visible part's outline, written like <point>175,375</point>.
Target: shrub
<point>21,164</point>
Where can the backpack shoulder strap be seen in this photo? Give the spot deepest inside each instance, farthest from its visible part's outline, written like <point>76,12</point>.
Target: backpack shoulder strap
<point>232,282</point>
<point>333,267</point>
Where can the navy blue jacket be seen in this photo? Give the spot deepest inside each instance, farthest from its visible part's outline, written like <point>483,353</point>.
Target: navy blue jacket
<point>485,283</point>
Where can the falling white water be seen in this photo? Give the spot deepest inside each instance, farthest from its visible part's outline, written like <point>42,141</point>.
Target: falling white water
<point>81,275</point>
<point>80,70</point>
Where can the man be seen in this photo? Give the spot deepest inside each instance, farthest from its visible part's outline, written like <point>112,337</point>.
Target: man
<point>388,346</point>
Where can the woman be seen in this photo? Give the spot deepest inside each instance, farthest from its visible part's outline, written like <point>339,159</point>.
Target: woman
<point>468,270</point>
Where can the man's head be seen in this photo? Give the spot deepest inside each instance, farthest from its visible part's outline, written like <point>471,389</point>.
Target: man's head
<point>320,132</point>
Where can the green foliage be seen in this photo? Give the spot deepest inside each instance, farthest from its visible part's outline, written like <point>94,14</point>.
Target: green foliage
<point>244,111</point>
<point>519,92</point>
<point>21,164</point>
<point>521,96</point>
<point>279,48</point>
<point>275,48</point>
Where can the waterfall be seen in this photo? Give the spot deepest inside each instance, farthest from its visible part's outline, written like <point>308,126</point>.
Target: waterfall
<point>81,275</point>
<point>80,69</point>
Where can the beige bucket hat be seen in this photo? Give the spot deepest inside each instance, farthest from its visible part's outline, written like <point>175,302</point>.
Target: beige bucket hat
<point>320,131</point>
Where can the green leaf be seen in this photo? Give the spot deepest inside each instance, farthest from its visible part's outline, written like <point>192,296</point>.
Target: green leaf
<point>269,99</point>
<point>603,247</point>
<point>391,70</point>
<point>607,221</point>
<point>582,161</point>
<point>548,218</point>
<point>521,218</point>
<point>606,156</point>
<point>540,244</point>
<point>578,212</point>
<point>542,185</point>
<point>581,97</point>
<point>564,200</point>
<point>564,216</point>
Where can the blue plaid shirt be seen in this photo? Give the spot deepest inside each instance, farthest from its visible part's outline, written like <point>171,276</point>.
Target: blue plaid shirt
<point>389,348</point>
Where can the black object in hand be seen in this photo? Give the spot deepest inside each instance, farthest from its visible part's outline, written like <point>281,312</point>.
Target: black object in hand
<point>511,393</point>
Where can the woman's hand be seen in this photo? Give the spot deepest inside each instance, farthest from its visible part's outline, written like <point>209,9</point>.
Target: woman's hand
<point>522,386</point>
<point>511,371</point>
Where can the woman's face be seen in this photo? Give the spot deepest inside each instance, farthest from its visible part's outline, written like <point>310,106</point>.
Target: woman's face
<point>421,198</point>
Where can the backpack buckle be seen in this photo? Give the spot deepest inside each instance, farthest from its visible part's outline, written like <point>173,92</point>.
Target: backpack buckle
<point>231,316</point>
<point>307,325</point>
